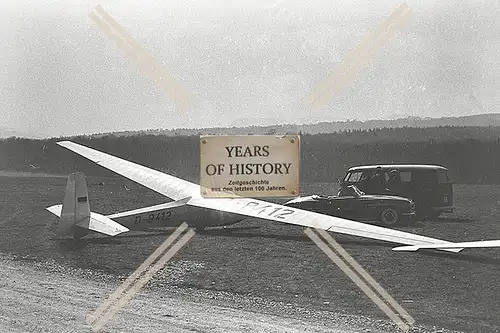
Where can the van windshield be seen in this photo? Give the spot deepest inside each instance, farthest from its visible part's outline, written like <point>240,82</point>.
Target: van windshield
<point>353,177</point>
<point>357,176</point>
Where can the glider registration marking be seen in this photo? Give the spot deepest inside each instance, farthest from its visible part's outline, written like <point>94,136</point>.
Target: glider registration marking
<point>165,215</point>
<point>262,209</point>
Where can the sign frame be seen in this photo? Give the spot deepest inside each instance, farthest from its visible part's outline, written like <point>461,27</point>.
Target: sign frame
<point>251,166</point>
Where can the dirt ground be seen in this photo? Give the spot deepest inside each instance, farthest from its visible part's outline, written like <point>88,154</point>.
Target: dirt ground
<point>257,276</point>
<point>51,300</point>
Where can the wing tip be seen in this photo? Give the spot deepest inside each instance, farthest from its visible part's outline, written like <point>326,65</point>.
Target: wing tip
<point>414,248</point>
<point>63,143</point>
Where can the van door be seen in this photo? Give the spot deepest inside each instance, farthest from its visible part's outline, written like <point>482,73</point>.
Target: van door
<point>433,191</point>
<point>425,187</point>
<point>444,193</point>
<point>405,186</point>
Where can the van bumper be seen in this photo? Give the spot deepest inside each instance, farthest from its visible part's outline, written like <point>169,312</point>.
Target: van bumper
<point>410,214</point>
<point>443,209</point>
<point>408,217</point>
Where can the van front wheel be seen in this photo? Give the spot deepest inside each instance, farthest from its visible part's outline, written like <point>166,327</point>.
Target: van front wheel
<point>389,217</point>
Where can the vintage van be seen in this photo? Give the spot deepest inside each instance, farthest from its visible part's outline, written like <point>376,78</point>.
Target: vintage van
<point>429,186</point>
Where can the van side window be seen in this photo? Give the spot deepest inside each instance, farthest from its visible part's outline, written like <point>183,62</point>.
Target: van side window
<point>443,177</point>
<point>405,176</point>
<point>424,176</point>
<point>366,175</point>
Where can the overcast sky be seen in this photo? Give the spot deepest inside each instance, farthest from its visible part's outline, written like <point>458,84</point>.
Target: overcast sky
<point>242,60</point>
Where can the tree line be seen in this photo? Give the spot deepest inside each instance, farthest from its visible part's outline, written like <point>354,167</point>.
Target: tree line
<point>471,154</point>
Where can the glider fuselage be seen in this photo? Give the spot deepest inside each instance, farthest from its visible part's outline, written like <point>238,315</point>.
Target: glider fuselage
<point>172,217</point>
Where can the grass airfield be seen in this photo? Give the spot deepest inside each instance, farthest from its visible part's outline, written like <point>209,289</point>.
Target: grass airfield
<point>267,268</point>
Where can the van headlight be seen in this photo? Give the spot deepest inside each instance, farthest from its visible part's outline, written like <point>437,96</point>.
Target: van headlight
<point>412,206</point>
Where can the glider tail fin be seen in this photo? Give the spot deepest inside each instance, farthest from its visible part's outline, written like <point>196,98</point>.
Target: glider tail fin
<point>75,207</point>
<point>75,217</point>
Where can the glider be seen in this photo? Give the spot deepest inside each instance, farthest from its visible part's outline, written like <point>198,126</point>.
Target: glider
<point>76,219</point>
<point>190,206</point>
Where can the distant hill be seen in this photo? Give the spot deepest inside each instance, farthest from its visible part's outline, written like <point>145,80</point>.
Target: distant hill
<point>481,120</point>
<point>6,132</point>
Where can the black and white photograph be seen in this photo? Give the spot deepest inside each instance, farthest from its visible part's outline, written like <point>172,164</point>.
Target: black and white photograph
<point>268,166</point>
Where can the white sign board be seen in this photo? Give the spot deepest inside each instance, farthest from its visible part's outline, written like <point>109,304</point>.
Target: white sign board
<point>249,165</point>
